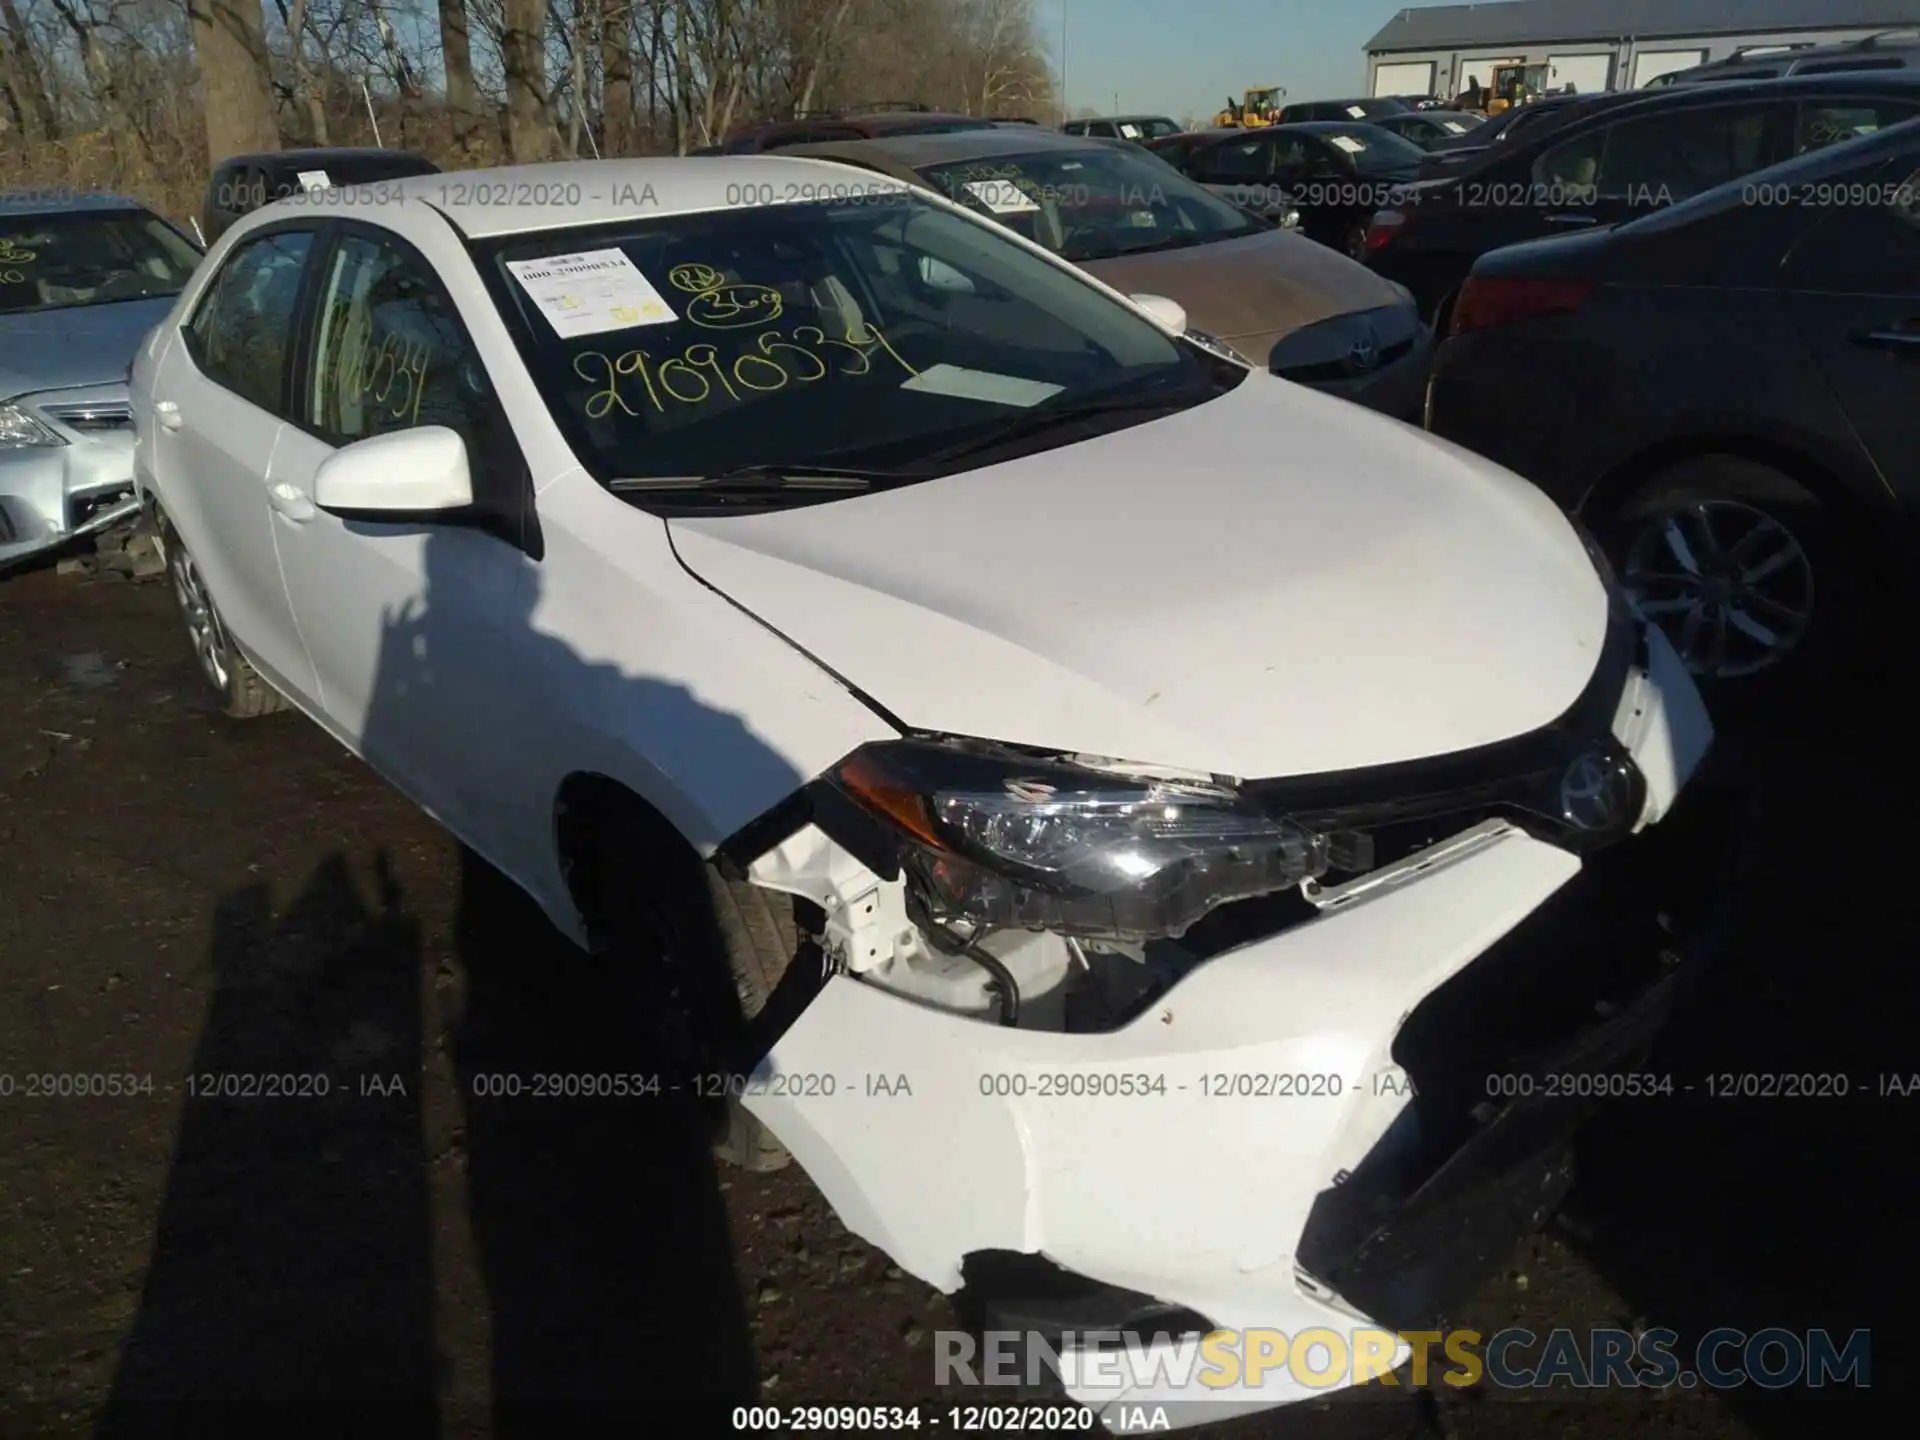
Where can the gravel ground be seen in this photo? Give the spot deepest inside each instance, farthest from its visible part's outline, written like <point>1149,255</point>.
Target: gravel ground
<point>181,896</point>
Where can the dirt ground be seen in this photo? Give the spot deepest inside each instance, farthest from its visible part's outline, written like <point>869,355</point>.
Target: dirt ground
<point>183,896</point>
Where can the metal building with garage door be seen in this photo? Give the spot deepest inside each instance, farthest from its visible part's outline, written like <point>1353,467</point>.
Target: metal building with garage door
<point>1594,45</point>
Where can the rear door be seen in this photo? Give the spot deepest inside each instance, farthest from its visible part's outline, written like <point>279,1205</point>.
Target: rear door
<point>1853,289</point>
<point>219,400</point>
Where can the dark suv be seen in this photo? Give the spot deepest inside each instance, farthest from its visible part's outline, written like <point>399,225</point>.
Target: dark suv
<point>1615,161</point>
<point>1891,50</point>
<point>243,184</point>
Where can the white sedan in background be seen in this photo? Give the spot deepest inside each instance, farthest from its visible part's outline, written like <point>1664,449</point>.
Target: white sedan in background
<point>1085,787</point>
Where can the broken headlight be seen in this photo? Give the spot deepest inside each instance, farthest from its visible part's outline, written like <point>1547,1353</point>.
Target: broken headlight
<point>19,430</point>
<point>1004,842</point>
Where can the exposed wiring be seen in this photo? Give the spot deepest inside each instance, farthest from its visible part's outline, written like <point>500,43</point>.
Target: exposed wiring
<point>948,943</point>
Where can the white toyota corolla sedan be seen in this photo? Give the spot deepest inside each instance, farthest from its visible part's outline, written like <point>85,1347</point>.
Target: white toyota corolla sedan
<point>1164,849</point>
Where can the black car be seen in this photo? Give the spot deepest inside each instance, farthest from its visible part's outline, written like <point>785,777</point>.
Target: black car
<point>1428,128</point>
<point>1617,158</point>
<point>1336,173</point>
<point>1141,129</point>
<point>1363,109</point>
<point>243,184</point>
<point>1726,391</point>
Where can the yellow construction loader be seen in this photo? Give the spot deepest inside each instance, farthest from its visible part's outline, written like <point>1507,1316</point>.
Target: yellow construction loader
<point>1259,108</point>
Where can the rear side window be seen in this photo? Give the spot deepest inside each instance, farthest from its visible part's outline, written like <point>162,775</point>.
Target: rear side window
<point>1232,161</point>
<point>239,332</point>
<point>1104,129</point>
<point>1869,242</point>
<point>1831,122</point>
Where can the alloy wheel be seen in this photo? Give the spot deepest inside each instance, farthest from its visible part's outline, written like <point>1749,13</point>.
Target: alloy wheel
<point>202,620</point>
<point>1730,586</point>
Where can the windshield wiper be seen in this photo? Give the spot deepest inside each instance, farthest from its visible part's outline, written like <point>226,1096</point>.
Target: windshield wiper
<point>1040,421</point>
<point>765,479</point>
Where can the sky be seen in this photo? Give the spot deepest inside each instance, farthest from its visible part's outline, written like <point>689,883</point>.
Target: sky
<point>1181,57</point>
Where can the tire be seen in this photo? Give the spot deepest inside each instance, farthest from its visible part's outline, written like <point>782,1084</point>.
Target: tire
<point>714,953</point>
<point>1810,598</point>
<point>235,684</point>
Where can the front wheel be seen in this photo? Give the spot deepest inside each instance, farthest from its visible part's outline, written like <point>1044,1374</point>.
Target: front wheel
<point>712,954</point>
<point>236,685</point>
<point>1752,578</point>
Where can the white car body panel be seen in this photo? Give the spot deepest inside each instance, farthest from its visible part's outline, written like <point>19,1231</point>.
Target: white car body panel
<point>1190,592</point>
<point>1197,1200</point>
<point>1275,583</point>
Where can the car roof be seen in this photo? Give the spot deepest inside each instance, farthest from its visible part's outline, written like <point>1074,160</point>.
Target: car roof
<point>55,201</point>
<point>609,190</point>
<point>915,151</point>
<point>1325,127</point>
<point>878,122</point>
<point>1117,119</point>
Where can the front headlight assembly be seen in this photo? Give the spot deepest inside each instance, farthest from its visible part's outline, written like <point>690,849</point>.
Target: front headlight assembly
<point>999,841</point>
<point>20,431</point>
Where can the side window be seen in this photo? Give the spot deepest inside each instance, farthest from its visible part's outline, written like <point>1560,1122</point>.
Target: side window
<point>1574,165</point>
<point>1870,248</point>
<point>1290,154</point>
<point>1674,156</point>
<point>1232,161</point>
<point>238,334</point>
<point>1103,128</point>
<point>389,353</point>
<point>1832,121</point>
<point>1073,127</point>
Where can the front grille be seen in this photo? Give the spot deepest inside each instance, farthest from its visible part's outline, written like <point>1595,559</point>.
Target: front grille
<point>103,418</point>
<point>1330,372</point>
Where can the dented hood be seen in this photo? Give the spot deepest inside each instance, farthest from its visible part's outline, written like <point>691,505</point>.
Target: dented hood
<point>1272,583</point>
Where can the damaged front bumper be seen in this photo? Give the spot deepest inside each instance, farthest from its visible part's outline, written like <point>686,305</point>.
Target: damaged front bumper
<point>78,484</point>
<point>1341,1126</point>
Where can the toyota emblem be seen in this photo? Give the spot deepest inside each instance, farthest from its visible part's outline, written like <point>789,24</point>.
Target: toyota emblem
<point>1595,792</point>
<point>1365,353</point>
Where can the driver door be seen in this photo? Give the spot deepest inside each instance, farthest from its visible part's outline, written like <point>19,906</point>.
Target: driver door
<point>418,629</point>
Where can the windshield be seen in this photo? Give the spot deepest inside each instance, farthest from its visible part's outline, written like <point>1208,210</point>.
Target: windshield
<point>1093,203</point>
<point>1147,129</point>
<point>54,262</point>
<point>871,334</point>
<point>1373,151</point>
<point>354,170</point>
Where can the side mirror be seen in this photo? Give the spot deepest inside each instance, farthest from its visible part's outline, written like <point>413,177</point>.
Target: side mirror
<point>1169,315</point>
<point>938,275</point>
<point>409,472</point>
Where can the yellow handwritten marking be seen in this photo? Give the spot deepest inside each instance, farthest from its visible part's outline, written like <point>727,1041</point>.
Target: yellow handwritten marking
<point>600,404</point>
<point>735,307</point>
<point>707,357</point>
<point>758,372</point>
<point>626,314</point>
<point>745,360</point>
<point>771,341</point>
<point>695,279</point>
<point>670,367</point>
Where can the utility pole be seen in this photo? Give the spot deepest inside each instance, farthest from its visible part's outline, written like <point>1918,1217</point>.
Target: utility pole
<point>1064,116</point>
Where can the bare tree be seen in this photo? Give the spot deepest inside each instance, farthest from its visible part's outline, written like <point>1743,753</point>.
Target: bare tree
<point>26,87</point>
<point>456,56</point>
<point>229,37</point>
<point>523,58</point>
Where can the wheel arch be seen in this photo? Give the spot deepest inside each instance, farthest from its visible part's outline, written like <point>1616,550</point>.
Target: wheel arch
<point>1824,481</point>
<point>583,805</point>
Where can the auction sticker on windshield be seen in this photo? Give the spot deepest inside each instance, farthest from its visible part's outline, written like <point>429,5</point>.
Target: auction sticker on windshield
<point>314,180</point>
<point>1358,112</point>
<point>964,384</point>
<point>1347,143</point>
<point>1003,197</point>
<point>591,293</point>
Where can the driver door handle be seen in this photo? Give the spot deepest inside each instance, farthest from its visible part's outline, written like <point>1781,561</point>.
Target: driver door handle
<point>291,501</point>
<point>168,414</point>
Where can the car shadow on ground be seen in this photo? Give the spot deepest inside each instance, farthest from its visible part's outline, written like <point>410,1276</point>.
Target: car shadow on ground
<point>1759,1197</point>
<point>292,1269</point>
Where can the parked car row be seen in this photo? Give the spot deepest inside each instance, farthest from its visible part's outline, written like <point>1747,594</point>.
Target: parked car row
<point>919,657</point>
